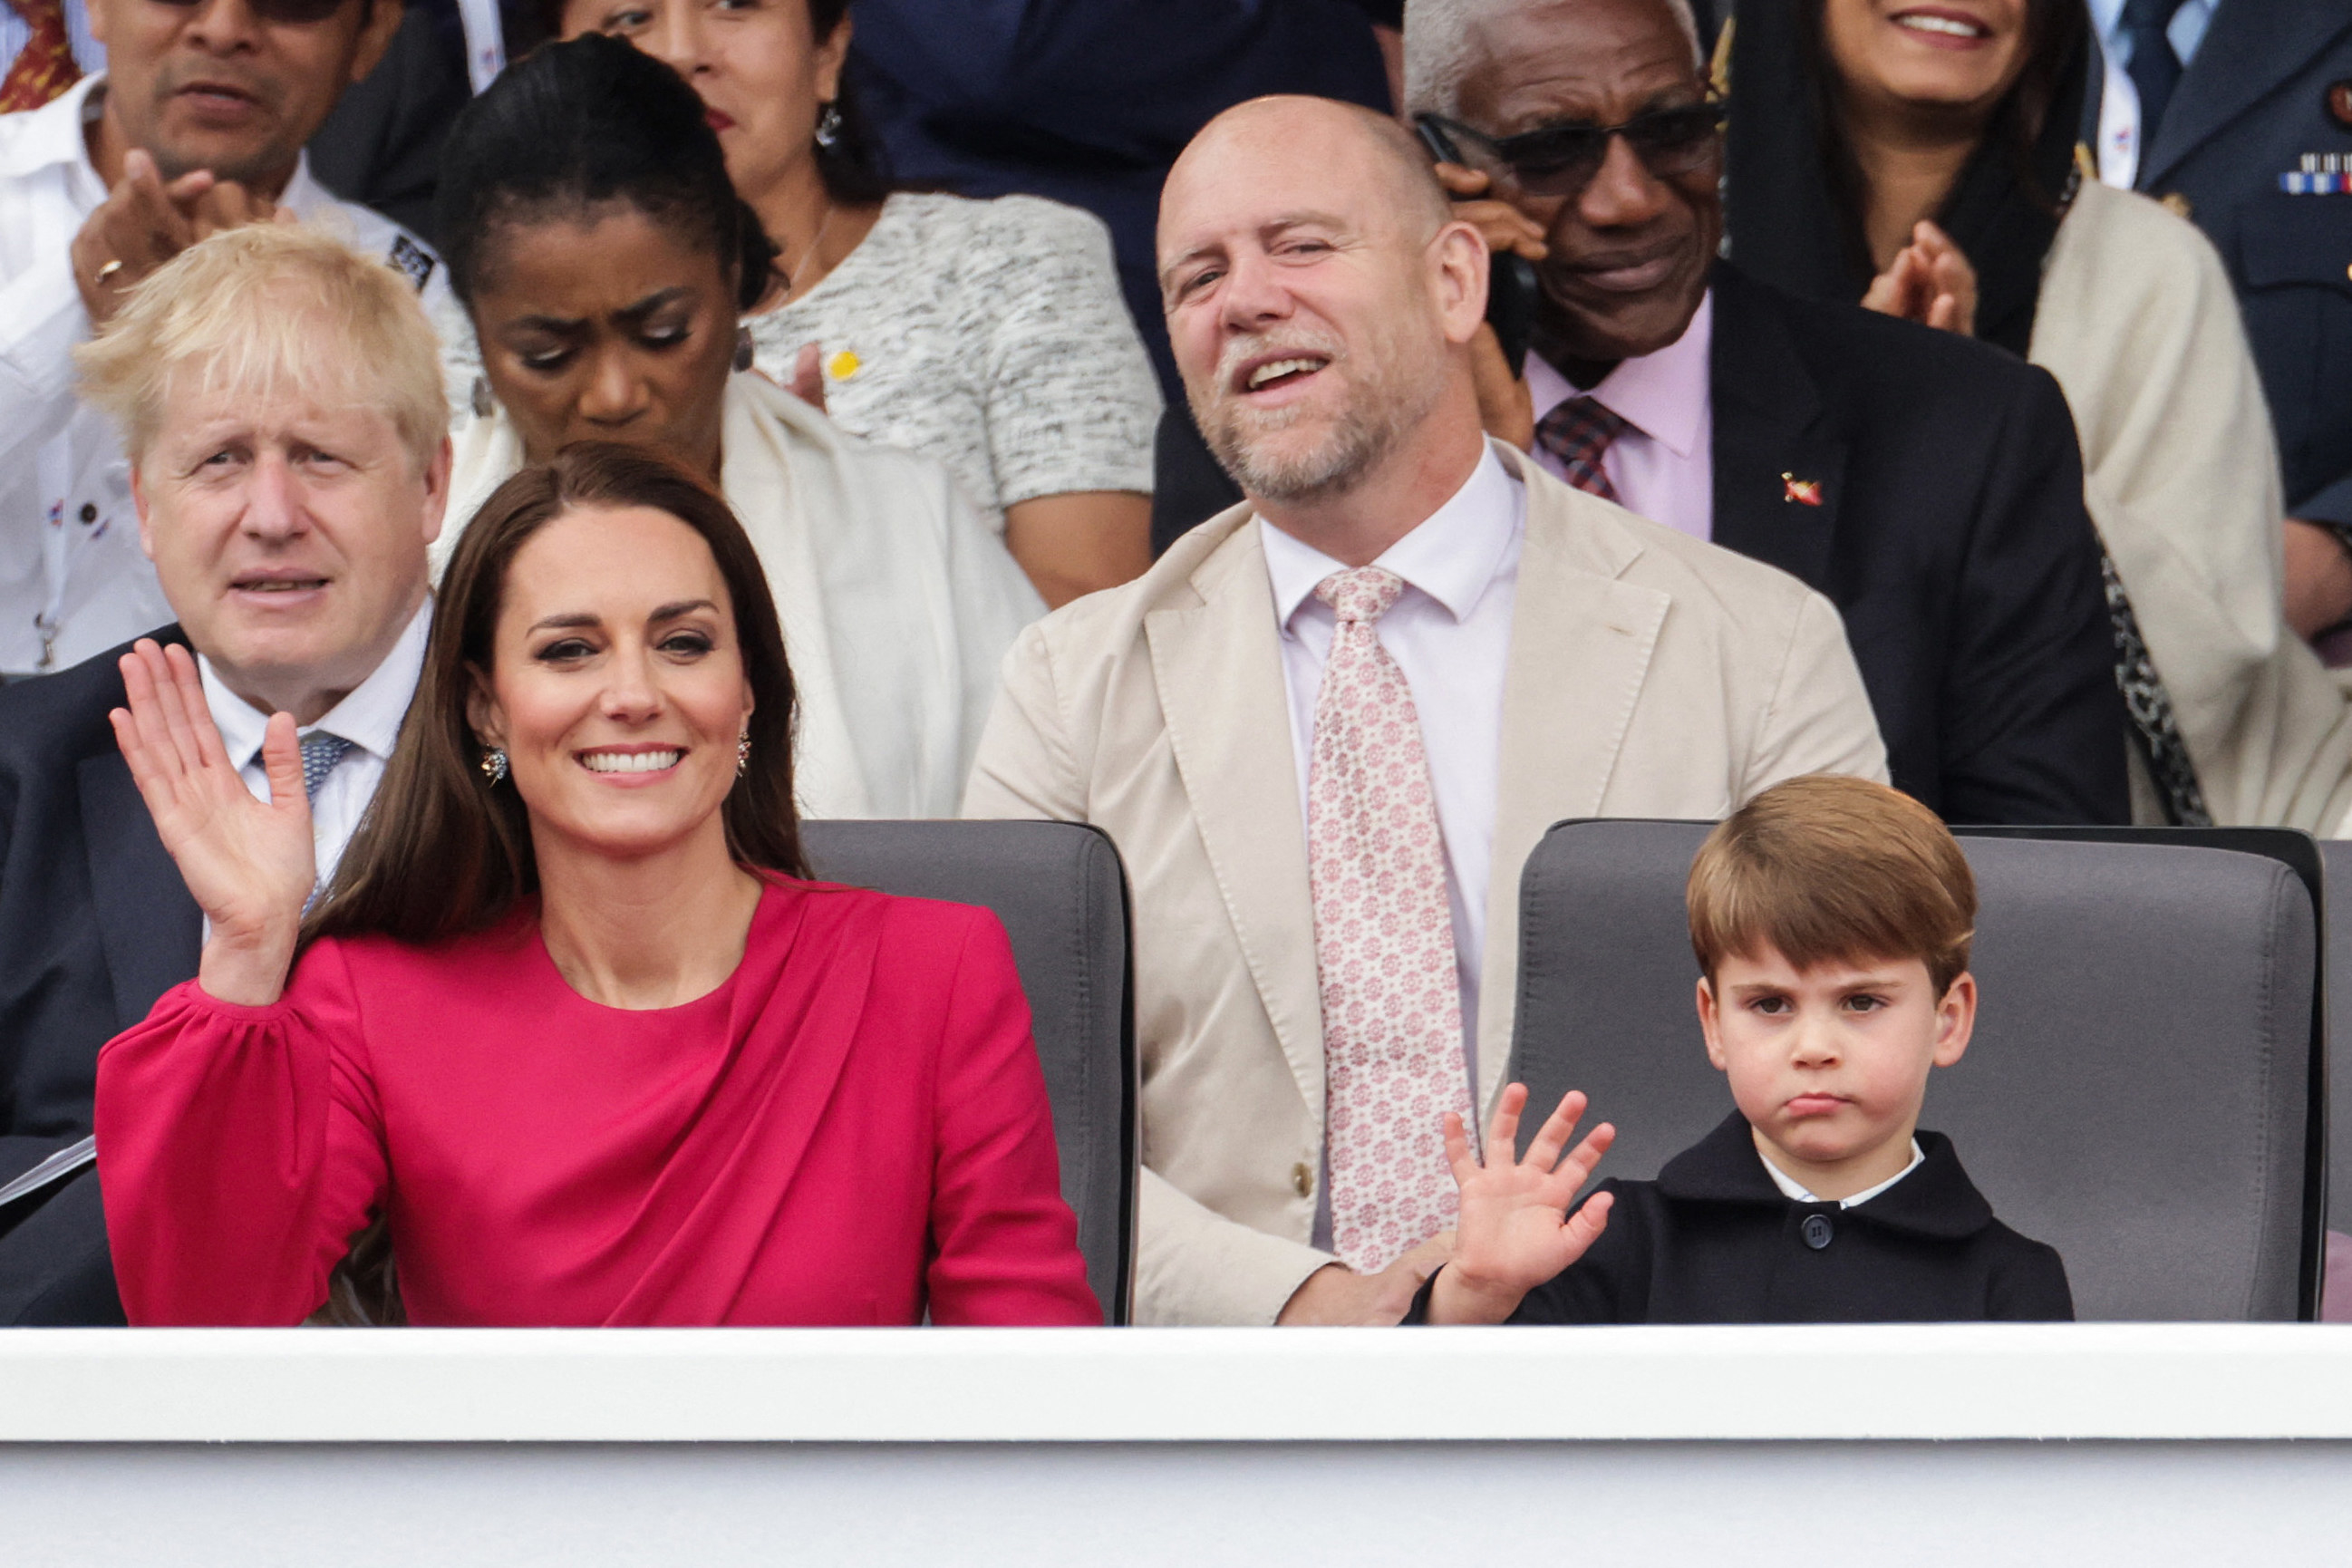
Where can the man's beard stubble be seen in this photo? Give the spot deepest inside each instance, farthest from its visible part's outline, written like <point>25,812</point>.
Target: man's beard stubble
<point>1377,411</point>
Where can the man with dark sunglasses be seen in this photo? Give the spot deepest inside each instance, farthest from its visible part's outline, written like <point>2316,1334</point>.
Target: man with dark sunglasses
<point>197,124</point>
<point>1930,486</point>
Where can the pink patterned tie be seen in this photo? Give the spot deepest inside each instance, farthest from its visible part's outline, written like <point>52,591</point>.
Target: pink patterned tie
<point>1383,941</point>
<point>1578,433</point>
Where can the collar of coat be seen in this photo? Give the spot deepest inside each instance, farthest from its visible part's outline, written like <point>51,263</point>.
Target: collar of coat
<point>1937,1200</point>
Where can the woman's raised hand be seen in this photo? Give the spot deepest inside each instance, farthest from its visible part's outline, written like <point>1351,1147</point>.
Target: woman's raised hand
<point>1929,281</point>
<point>249,865</point>
<point>1515,1232</point>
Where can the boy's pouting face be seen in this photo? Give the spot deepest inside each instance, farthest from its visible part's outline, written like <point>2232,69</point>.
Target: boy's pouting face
<point>1828,1064</point>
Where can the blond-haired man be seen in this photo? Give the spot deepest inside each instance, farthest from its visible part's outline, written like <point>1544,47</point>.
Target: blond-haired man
<point>279,399</point>
<point>1326,729</point>
<point>197,124</point>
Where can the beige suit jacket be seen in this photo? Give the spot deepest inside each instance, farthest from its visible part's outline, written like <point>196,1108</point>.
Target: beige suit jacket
<point>1649,675</point>
<point>2136,321</point>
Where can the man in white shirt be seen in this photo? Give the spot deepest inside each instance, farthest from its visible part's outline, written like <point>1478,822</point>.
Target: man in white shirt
<point>198,124</point>
<point>280,400</point>
<point>1325,930</point>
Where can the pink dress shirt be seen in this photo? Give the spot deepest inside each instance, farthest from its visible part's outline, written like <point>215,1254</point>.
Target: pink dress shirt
<point>1663,466</point>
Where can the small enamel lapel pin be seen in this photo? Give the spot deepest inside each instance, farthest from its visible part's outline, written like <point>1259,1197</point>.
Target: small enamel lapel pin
<point>1806,492</point>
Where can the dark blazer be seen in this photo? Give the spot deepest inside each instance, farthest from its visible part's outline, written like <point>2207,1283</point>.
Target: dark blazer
<point>1713,1240</point>
<point>382,145</point>
<point>2252,102</point>
<point>1950,533</point>
<point>95,924</point>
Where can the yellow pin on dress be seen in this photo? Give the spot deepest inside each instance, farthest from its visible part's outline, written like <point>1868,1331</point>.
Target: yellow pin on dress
<point>842,365</point>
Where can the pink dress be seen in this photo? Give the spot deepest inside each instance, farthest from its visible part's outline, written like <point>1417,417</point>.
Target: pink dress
<point>852,1129</point>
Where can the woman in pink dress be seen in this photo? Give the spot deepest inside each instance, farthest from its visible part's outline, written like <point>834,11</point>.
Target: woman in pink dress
<point>571,1027</point>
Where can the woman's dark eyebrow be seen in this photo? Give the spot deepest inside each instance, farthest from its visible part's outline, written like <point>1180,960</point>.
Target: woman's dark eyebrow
<point>651,303</point>
<point>571,620</point>
<point>681,607</point>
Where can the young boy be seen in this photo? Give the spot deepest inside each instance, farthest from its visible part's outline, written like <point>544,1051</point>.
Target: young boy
<point>1831,920</point>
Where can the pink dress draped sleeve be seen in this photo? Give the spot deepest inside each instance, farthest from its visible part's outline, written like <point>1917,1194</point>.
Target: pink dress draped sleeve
<point>852,1129</point>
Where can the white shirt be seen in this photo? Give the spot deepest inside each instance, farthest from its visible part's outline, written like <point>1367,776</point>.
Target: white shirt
<point>1798,1195</point>
<point>1663,462</point>
<point>2119,144</point>
<point>73,581</point>
<point>367,716</point>
<point>1450,634</point>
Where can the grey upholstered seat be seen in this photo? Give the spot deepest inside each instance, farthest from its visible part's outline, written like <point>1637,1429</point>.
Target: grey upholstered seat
<point>2138,1086</point>
<point>1060,891</point>
<point>2336,853</point>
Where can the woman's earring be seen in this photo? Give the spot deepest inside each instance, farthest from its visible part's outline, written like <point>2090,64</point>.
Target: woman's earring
<point>828,127</point>
<point>743,752</point>
<point>494,766</point>
<point>743,348</point>
<point>483,406</point>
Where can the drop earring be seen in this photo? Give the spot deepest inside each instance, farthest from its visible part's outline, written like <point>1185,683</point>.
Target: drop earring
<point>743,752</point>
<point>828,127</point>
<point>743,348</point>
<point>494,766</point>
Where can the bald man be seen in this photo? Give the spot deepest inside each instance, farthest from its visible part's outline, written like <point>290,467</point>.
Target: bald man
<point>1327,727</point>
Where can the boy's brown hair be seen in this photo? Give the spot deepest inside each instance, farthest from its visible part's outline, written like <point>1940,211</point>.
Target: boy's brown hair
<point>1827,869</point>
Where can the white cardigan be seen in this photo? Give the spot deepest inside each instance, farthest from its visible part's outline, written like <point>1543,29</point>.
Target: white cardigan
<point>2137,322</point>
<point>898,602</point>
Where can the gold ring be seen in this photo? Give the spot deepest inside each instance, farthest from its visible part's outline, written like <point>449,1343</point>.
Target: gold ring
<point>108,270</point>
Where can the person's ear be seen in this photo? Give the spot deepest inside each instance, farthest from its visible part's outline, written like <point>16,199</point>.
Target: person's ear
<point>1955,1020</point>
<point>436,490</point>
<point>483,714</point>
<point>828,58</point>
<point>1710,1023</point>
<point>1460,259</point>
<point>97,11</point>
<point>378,20</point>
<point>139,504</point>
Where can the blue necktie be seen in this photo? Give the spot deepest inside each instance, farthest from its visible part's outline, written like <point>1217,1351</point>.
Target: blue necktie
<point>2155,69</point>
<point>321,752</point>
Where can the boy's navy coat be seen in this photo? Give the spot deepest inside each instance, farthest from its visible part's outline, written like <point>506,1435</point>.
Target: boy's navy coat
<point>1713,1240</point>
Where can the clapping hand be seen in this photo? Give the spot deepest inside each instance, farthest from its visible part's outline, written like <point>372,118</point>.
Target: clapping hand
<point>146,220</point>
<point>249,864</point>
<point>1931,282</point>
<point>1514,1232</point>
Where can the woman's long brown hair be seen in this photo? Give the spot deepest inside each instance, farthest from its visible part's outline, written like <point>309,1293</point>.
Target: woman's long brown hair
<point>442,851</point>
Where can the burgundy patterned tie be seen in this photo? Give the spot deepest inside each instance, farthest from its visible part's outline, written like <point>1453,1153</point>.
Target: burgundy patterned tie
<point>45,67</point>
<point>1392,1054</point>
<point>1578,432</point>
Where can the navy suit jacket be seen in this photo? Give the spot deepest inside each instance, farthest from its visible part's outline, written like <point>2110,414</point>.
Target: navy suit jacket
<point>95,924</point>
<point>2250,104</point>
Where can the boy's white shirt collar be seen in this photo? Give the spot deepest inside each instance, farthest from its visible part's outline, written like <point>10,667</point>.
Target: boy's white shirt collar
<point>1797,1194</point>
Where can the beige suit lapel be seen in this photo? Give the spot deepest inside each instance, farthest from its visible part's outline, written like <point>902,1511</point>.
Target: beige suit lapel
<point>1217,666</point>
<point>1581,647</point>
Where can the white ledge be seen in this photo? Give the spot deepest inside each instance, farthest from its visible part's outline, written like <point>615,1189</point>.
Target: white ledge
<point>1878,1383</point>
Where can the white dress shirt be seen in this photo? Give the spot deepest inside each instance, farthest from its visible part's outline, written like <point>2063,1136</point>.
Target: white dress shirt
<point>1797,1194</point>
<point>73,581</point>
<point>367,716</point>
<point>1450,634</point>
<point>1662,463</point>
<point>2119,141</point>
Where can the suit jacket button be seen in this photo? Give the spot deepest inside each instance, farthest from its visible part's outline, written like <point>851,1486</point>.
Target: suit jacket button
<point>1302,1177</point>
<point>1816,1230</point>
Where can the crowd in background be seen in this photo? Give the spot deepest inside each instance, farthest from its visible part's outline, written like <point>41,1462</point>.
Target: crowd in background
<point>474,478</point>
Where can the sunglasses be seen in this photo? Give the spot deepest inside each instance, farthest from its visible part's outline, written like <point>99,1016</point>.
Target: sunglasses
<point>280,12</point>
<point>1561,160</point>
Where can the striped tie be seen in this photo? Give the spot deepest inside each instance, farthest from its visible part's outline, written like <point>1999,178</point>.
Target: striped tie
<point>45,67</point>
<point>1578,432</point>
